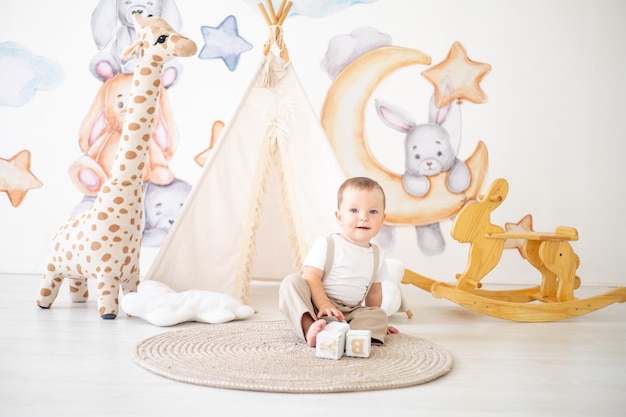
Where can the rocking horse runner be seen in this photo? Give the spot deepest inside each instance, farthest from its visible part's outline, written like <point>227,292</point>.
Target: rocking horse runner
<point>550,253</point>
<point>104,242</point>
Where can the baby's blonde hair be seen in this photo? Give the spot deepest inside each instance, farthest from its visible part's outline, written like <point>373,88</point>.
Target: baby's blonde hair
<point>360,183</point>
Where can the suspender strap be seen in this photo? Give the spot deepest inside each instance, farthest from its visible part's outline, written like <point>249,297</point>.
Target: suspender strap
<point>376,262</point>
<point>330,254</point>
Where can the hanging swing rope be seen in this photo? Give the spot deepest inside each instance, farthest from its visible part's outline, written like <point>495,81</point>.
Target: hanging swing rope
<point>274,20</point>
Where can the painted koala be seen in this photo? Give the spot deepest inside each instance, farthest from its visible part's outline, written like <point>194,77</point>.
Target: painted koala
<point>101,128</point>
<point>430,149</point>
<point>162,203</point>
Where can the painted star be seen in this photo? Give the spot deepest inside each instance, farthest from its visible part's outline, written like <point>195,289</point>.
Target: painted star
<point>224,42</point>
<point>523,226</point>
<point>461,74</point>
<point>217,128</point>
<point>16,178</point>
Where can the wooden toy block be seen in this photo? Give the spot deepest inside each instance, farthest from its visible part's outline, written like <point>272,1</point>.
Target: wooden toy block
<point>330,344</point>
<point>359,343</point>
<point>337,326</point>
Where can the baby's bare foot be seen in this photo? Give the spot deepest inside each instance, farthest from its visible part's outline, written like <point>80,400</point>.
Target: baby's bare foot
<point>314,330</point>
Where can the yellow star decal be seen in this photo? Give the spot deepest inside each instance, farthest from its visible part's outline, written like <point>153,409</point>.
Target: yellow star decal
<point>16,178</point>
<point>460,74</point>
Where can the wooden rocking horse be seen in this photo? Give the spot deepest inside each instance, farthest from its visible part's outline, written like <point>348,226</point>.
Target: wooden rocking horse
<point>550,253</point>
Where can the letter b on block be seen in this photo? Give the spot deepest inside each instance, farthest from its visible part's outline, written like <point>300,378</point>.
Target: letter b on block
<point>358,343</point>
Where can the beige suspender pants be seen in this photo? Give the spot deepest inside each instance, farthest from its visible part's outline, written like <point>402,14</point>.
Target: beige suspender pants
<point>294,301</point>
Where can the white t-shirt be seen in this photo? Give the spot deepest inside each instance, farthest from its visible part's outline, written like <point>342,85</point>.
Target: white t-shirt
<point>351,271</point>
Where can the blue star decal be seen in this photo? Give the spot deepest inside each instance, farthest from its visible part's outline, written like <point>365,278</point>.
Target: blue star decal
<point>224,42</point>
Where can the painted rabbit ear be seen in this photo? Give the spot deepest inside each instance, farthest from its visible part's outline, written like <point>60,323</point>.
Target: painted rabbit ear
<point>104,22</point>
<point>131,49</point>
<point>394,116</point>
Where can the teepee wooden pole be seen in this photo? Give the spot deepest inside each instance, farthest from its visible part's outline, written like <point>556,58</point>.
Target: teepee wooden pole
<point>270,7</point>
<point>284,13</point>
<point>267,18</point>
<point>276,19</point>
<point>281,8</point>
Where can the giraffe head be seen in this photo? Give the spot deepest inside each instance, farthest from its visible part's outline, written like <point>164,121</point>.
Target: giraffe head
<point>157,39</point>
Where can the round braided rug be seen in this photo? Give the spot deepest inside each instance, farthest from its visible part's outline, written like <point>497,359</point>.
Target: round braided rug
<point>267,356</point>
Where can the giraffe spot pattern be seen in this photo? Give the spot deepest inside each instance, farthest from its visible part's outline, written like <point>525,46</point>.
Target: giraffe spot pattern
<point>105,243</point>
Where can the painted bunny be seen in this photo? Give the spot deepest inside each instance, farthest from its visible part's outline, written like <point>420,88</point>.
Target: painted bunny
<point>430,149</point>
<point>111,22</point>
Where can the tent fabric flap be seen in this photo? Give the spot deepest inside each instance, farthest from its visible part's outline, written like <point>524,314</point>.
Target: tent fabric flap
<point>265,193</point>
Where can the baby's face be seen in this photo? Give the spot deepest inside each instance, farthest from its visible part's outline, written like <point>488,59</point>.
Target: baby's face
<point>361,215</point>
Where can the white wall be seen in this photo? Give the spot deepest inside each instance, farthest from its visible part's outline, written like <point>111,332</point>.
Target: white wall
<point>552,122</point>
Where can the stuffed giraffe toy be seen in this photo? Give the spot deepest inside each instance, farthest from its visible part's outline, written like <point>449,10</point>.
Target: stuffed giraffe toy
<point>104,242</point>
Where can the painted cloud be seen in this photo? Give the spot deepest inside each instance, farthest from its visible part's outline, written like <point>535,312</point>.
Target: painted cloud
<point>343,49</point>
<point>314,8</point>
<point>22,73</point>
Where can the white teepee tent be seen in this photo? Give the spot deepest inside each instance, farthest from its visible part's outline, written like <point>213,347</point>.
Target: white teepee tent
<point>266,192</point>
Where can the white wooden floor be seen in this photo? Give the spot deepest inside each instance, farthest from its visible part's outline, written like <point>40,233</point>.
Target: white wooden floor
<point>66,361</point>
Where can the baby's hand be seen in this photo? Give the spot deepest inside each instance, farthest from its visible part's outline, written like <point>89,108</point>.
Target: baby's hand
<point>331,311</point>
<point>392,330</point>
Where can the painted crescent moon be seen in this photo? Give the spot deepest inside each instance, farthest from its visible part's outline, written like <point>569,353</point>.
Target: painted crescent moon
<point>342,117</point>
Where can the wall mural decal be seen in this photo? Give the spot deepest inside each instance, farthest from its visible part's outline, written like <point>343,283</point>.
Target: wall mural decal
<point>224,42</point>
<point>22,75</point>
<point>460,74</point>
<point>216,129</point>
<point>314,8</point>
<point>356,63</point>
<point>436,183</point>
<point>112,24</point>
<point>525,225</point>
<point>100,131</point>
<point>345,48</point>
<point>16,178</point>
<point>430,149</point>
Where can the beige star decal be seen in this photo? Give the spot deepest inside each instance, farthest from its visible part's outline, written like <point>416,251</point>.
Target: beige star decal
<point>16,178</point>
<point>217,128</point>
<point>461,74</point>
<point>523,226</point>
